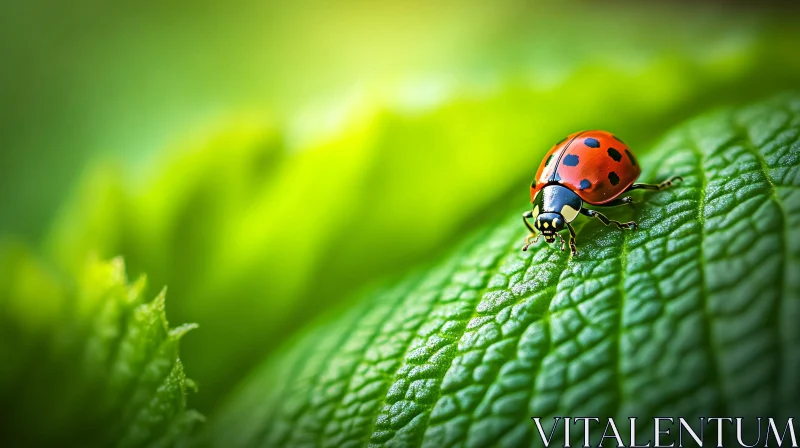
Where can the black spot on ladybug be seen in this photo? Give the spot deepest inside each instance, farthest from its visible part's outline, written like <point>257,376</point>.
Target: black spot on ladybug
<point>591,142</point>
<point>533,184</point>
<point>612,176</point>
<point>618,139</point>
<point>547,162</point>
<point>584,184</point>
<point>571,160</point>
<point>630,157</point>
<point>614,154</point>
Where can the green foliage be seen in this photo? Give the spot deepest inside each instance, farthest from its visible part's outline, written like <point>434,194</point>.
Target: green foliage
<point>247,227</point>
<point>694,314</point>
<point>90,364</point>
<point>259,226</point>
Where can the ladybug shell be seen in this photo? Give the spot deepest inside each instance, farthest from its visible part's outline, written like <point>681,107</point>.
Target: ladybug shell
<point>596,165</point>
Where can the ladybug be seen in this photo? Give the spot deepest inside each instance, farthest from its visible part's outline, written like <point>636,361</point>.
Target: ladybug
<point>587,167</point>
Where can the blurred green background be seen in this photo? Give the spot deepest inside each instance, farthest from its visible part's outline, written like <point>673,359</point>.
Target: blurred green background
<point>267,159</point>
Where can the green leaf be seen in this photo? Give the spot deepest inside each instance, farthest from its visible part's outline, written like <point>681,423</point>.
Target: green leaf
<point>694,314</point>
<point>246,225</point>
<point>102,369</point>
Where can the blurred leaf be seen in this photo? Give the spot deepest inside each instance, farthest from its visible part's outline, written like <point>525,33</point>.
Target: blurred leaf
<point>99,367</point>
<point>694,314</point>
<point>255,234</point>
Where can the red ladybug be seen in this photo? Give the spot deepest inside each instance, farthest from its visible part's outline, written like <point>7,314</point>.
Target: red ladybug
<point>587,167</point>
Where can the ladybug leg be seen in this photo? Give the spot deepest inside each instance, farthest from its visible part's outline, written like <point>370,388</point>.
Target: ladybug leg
<point>562,241</point>
<point>622,225</point>
<point>627,200</point>
<point>525,216</point>
<point>528,242</point>
<point>573,248</point>
<point>662,186</point>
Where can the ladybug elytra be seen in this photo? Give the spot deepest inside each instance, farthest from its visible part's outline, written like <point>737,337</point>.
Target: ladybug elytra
<point>587,167</point>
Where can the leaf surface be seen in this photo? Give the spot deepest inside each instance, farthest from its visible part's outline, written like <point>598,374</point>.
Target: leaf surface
<point>101,369</point>
<point>692,315</point>
<point>248,222</point>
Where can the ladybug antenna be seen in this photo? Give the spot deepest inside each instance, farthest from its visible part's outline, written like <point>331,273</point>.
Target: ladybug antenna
<point>525,247</point>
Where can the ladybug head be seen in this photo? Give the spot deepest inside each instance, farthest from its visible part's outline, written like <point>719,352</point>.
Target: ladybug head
<point>550,224</point>
<point>553,208</point>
